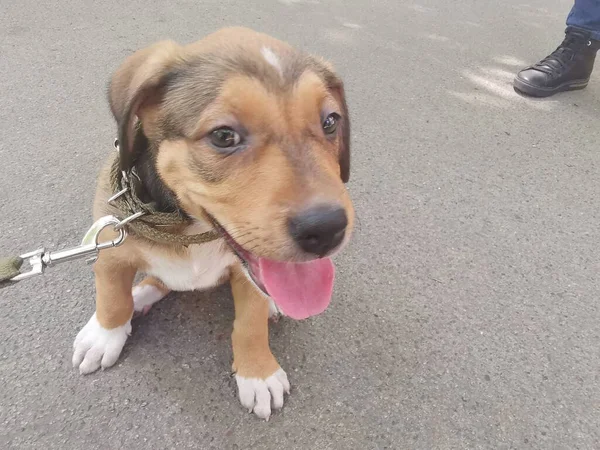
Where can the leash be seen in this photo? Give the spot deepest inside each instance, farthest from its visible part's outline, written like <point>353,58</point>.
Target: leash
<point>141,219</point>
<point>10,268</point>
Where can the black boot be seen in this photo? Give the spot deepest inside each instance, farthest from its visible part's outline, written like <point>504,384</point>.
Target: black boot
<point>567,68</point>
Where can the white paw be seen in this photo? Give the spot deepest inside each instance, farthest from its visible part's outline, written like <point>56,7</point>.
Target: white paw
<point>144,296</point>
<point>96,346</point>
<point>256,394</point>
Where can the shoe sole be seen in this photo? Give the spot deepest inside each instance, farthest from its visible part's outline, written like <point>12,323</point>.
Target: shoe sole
<point>536,91</point>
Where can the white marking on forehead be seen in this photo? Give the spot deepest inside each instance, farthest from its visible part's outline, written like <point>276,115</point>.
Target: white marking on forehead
<point>272,59</point>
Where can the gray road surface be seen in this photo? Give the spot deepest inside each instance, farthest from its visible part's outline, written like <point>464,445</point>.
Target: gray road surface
<point>466,309</point>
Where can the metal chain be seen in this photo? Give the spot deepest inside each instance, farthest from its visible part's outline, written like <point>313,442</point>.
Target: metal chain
<point>143,219</point>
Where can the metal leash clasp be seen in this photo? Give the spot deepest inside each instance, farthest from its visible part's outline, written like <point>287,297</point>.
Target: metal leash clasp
<point>89,248</point>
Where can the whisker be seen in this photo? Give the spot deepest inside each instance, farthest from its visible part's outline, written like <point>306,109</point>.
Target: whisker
<point>244,245</point>
<point>237,237</point>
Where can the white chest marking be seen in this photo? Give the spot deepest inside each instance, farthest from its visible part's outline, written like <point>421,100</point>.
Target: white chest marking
<point>202,268</point>
<point>272,59</point>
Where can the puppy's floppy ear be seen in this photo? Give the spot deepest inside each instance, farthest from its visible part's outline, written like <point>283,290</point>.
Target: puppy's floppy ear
<point>336,86</point>
<point>337,90</point>
<point>136,85</point>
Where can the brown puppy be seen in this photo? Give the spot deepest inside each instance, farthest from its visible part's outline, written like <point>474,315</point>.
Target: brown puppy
<point>246,135</point>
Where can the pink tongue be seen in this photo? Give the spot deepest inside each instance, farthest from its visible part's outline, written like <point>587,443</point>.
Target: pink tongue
<point>301,290</point>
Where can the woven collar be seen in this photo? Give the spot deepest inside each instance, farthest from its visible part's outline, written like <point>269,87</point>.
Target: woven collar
<point>150,223</point>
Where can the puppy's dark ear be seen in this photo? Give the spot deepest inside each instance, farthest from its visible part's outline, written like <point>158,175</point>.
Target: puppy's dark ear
<point>337,90</point>
<point>336,87</point>
<point>137,85</point>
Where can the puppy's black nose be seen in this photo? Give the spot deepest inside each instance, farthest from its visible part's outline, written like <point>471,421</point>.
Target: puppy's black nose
<point>319,229</point>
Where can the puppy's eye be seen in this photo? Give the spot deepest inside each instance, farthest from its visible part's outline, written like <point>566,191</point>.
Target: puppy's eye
<point>225,137</point>
<point>330,123</point>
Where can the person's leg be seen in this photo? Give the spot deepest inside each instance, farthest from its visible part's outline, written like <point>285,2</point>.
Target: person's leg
<point>569,67</point>
<point>585,15</point>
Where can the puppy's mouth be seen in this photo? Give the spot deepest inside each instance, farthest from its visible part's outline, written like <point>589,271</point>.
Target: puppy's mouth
<point>300,290</point>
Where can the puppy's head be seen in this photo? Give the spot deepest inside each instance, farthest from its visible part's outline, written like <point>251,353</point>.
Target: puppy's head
<point>254,135</point>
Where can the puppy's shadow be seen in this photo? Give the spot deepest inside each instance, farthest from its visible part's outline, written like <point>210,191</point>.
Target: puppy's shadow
<point>183,347</point>
<point>185,326</point>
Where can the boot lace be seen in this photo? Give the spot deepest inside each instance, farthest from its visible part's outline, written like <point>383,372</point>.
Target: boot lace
<point>573,43</point>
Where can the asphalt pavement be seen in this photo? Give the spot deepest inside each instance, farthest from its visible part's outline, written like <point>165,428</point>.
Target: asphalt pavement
<point>465,313</point>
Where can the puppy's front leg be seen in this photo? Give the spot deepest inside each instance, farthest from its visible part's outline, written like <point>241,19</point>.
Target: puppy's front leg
<point>259,377</point>
<point>101,340</point>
